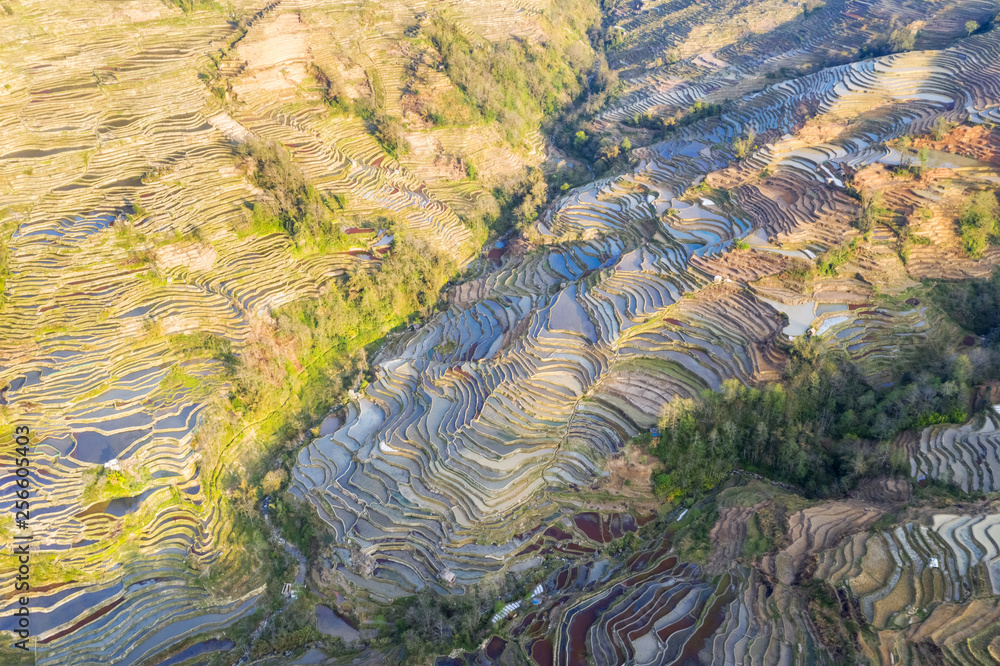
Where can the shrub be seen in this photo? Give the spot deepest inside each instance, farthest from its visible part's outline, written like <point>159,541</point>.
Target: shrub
<point>829,262</point>
<point>666,125</point>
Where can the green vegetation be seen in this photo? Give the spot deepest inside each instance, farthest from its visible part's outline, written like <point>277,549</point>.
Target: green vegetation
<point>812,6</point>
<point>744,144</point>
<point>133,241</point>
<point>979,223</point>
<point>624,545</point>
<point>692,536</point>
<point>610,152</point>
<point>430,623</point>
<point>512,207</point>
<point>295,203</point>
<point>825,427</point>
<point>825,265</point>
<point>902,39</point>
<point>342,321</point>
<point>838,635</point>
<point>292,205</point>
<point>873,210</point>
<point>898,40</point>
<point>908,170</point>
<point>760,538</point>
<point>941,128</point>
<point>14,656</point>
<point>974,304</point>
<point>106,484</point>
<point>666,125</point>
<point>388,131</point>
<point>944,493</point>
<point>193,345</point>
<point>828,262</point>
<point>300,524</point>
<point>514,83</point>
<point>292,628</point>
<point>331,89</point>
<point>188,6</point>
<point>385,128</point>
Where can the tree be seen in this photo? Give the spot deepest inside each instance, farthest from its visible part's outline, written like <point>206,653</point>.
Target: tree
<point>743,145</point>
<point>273,480</point>
<point>872,210</point>
<point>971,27</point>
<point>941,128</point>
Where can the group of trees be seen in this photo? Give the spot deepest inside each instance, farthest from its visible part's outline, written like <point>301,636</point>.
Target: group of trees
<point>906,168</point>
<point>331,88</point>
<point>974,304</point>
<point>431,623</point>
<point>514,206</point>
<point>825,427</point>
<point>899,39</point>
<point>607,153</point>
<point>666,125</point>
<point>290,629</point>
<point>941,127</point>
<point>521,204</point>
<point>291,204</point>
<point>512,82</point>
<point>744,144</point>
<point>368,305</point>
<point>386,128</point>
<point>873,209</point>
<point>388,131</point>
<point>979,223</point>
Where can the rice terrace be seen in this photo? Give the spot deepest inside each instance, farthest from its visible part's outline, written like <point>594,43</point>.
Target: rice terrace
<point>500,332</point>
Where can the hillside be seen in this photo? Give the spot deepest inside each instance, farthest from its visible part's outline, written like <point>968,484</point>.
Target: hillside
<point>402,303</point>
